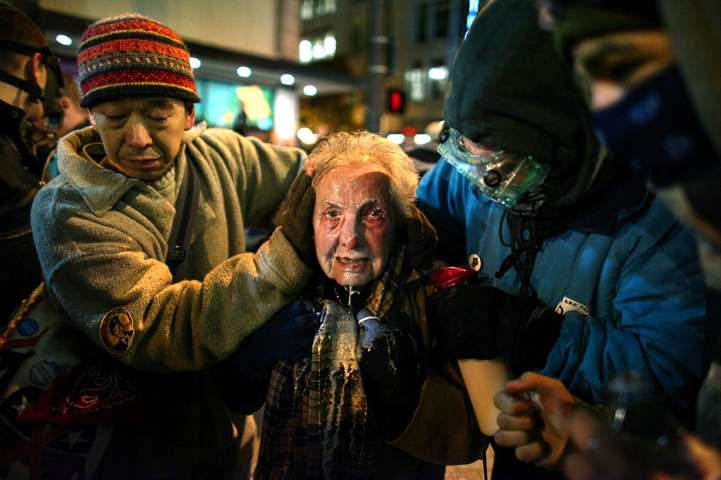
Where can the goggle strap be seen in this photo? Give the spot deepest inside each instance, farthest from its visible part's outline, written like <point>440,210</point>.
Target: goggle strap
<point>27,50</point>
<point>29,86</point>
<point>22,49</point>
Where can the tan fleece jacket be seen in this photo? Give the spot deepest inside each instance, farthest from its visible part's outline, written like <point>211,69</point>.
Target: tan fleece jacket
<point>102,241</point>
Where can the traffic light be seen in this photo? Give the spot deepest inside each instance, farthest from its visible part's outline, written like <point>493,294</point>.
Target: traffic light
<point>396,101</point>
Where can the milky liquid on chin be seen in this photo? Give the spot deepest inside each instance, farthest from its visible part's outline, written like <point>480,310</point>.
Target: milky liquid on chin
<point>341,413</point>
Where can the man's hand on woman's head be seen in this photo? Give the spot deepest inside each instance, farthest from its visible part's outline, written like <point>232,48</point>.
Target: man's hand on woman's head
<point>297,220</point>
<point>422,239</point>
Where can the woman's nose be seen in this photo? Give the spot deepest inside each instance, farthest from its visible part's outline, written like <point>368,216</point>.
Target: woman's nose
<point>352,242</point>
<point>350,235</point>
<point>138,136</point>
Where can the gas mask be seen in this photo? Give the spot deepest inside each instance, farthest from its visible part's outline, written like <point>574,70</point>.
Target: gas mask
<point>506,178</point>
<point>53,111</point>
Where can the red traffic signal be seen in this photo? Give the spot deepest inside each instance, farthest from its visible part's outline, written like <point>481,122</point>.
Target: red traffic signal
<point>396,101</point>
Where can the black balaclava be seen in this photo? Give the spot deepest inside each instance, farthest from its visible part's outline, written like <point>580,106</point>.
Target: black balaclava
<point>509,91</point>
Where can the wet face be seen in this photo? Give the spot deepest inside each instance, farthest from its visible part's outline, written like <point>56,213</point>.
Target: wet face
<point>611,65</point>
<point>142,136</point>
<point>353,224</point>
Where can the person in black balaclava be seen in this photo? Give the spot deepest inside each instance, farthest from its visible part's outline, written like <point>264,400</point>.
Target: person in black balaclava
<point>582,274</point>
<point>29,82</point>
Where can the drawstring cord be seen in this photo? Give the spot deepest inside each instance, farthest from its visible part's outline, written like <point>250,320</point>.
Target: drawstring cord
<point>520,245</point>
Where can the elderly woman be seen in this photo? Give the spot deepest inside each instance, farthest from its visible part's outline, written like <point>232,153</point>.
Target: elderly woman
<point>365,402</point>
<point>336,412</point>
<point>327,415</point>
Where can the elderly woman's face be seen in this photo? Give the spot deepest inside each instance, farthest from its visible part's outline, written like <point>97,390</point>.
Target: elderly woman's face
<point>353,224</point>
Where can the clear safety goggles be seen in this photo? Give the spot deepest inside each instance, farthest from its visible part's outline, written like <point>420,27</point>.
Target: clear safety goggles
<point>504,177</point>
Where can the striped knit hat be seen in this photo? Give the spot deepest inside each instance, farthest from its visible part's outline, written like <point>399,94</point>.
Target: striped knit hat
<point>131,55</point>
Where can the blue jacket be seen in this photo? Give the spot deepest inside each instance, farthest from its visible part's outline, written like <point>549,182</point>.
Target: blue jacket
<point>640,283</point>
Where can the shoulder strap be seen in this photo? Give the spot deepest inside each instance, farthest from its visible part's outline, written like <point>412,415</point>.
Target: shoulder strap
<point>186,206</point>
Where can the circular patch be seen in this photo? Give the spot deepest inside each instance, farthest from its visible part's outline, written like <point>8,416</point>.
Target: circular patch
<point>28,328</point>
<point>116,331</point>
<point>43,373</point>
<point>474,261</point>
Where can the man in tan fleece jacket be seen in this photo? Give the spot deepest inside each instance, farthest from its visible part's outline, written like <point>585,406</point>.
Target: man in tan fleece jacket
<point>102,229</point>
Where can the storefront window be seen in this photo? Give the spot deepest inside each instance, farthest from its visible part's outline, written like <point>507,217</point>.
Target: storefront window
<point>221,105</point>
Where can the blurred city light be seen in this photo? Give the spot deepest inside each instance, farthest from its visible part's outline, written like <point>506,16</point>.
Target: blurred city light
<point>318,51</point>
<point>473,7</point>
<point>243,72</point>
<point>310,90</point>
<point>287,79</point>
<point>63,39</point>
<point>422,138</point>
<point>306,136</point>
<point>329,46</point>
<point>194,62</point>
<point>438,73</point>
<point>397,138</point>
<point>228,117</point>
<point>305,51</point>
<point>265,123</point>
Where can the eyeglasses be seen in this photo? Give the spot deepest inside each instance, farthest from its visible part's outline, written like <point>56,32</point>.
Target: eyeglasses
<point>504,177</point>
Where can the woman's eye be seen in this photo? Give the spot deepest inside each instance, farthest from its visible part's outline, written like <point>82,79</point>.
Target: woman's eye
<point>374,218</point>
<point>158,118</point>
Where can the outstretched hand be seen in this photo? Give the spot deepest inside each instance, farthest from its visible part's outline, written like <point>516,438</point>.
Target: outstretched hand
<point>535,417</point>
<point>595,451</point>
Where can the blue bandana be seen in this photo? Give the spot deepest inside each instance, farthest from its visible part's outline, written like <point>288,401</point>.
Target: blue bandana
<point>656,128</point>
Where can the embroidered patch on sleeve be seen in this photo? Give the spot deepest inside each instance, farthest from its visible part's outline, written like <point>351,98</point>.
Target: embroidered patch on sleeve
<point>116,331</point>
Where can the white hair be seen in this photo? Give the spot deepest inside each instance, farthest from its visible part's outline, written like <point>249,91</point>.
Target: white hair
<point>365,148</point>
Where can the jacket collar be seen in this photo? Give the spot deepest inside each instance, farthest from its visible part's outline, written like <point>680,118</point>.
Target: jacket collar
<point>100,187</point>
<point>612,206</point>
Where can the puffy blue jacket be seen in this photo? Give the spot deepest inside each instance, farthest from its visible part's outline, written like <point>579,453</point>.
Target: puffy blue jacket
<point>640,283</point>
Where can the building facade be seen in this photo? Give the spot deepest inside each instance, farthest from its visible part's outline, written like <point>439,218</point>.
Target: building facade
<point>422,37</point>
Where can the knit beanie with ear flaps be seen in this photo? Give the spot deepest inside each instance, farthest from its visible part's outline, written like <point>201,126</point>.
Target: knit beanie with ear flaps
<point>131,55</point>
<point>510,91</point>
